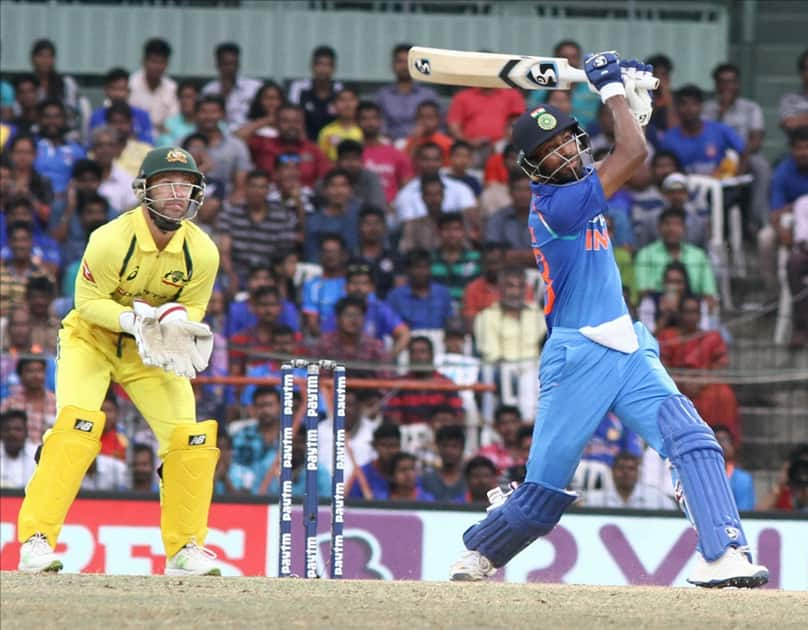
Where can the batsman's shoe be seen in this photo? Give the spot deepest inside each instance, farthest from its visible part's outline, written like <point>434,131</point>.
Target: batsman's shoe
<point>734,568</point>
<point>471,566</point>
<point>192,560</point>
<point>36,556</point>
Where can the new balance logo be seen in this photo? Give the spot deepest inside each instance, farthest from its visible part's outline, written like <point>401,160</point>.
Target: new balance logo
<point>83,425</point>
<point>197,440</point>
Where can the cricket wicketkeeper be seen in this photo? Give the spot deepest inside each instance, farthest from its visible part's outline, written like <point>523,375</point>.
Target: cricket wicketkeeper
<point>145,281</point>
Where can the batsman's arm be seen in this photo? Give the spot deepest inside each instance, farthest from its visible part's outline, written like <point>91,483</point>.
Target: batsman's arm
<point>630,149</point>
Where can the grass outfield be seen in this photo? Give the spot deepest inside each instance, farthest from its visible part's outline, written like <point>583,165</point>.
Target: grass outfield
<point>98,601</point>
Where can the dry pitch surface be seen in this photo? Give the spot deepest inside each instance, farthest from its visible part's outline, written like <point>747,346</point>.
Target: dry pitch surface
<point>97,601</point>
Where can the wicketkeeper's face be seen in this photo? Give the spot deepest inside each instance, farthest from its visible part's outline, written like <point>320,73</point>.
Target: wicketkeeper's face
<point>171,192</point>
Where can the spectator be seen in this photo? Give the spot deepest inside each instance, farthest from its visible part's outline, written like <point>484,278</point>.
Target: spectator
<point>16,342</point>
<point>372,249</point>
<point>266,304</point>
<point>53,86</point>
<point>54,153</point>
<point>24,178</point>
<point>343,127</point>
<point>781,495</point>
<point>391,166</point>
<point>460,161</point>
<point>93,212</point>
<point>797,270</point>
<point>290,141</point>
<point>39,295</point>
<point>116,183</point>
<point>701,145</point>
<point>149,87</point>
<point>653,258</point>
<point>447,482</point>
<point>321,293</point>
<point>143,477</point>
<point>32,397</point>
<point>256,231</point>
<point>113,442</point>
<point>687,346</point>
<point>348,343</point>
<point>509,335</point>
<point>298,469</point>
<point>284,346</point>
<point>423,231</point>
<point>790,182</point>
<point>367,188</point>
<point>454,264</point>
<point>44,250</point>
<point>745,117</point>
<point>16,450</point>
<point>427,131</point>
<point>405,485</point>
<point>262,115</point>
<point>478,115</point>
<point>116,90</point>
<point>372,480</point>
<point>106,473</point>
<point>658,310</point>
<point>794,107</point>
<point>412,406</point>
<point>316,95</point>
<point>236,91</point>
<point>240,314</point>
<point>604,139</point>
<point>798,485</point>
<point>740,481</point>
<point>338,213</point>
<point>197,145</point>
<point>65,225</point>
<point>381,322</point>
<point>626,492</point>
<point>287,188</point>
<point>399,101</point>
<point>26,87</point>
<point>255,443</point>
<point>697,220</point>
<point>524,438</point>
<point>420,302</point>
<point>119,116</point>
<point>648,202</point>
<point>358,436</point>
<point>483,291</point>
<point>584,102</point>
<point>664,115</point>
<point>507,225</point>
<point>409,203</point>
<point>183,123</point>
<point>16,271</point>
<point>229,155</point>
<point>481,476</point>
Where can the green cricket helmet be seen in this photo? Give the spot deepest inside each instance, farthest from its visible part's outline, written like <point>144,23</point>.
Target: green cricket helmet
<point>169,160</point>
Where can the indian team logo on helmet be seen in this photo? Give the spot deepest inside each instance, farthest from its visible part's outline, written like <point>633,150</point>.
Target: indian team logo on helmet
<point>177,155</point>
<point>546,121</point>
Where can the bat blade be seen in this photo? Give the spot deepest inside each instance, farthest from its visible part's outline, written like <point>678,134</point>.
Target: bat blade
<point>493,70</point>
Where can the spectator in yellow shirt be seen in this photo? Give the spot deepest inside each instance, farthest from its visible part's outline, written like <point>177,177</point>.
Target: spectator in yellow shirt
<point>344,127</point>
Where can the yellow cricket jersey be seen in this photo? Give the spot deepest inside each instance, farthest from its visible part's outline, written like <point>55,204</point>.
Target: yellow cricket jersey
<point>122,263</point>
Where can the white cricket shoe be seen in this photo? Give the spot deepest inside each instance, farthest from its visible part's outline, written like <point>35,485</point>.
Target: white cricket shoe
<point>36,556</point>
<point>192,560</point>
<point>732,569</point>
<point>471,566</point>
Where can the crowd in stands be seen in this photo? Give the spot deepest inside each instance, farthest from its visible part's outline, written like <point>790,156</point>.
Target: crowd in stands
<point>386,230</point>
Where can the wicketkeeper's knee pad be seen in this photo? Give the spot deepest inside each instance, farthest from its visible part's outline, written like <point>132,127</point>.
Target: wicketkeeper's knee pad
<point>698,462</point>
<point>187,485</point>
<point>530,512</point>
<point>68,449</point>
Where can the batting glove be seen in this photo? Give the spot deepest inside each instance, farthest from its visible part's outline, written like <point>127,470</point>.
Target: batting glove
<point>604,73</point>
<point>639,99</point>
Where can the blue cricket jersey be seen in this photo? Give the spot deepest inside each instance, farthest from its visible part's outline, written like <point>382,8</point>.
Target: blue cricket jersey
<point>574,255</point>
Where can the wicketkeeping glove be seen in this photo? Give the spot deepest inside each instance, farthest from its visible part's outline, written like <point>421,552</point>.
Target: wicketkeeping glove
<point>604,73</point>
<point>141,322</point>
<point>639,99</point>
<point>186,344</point>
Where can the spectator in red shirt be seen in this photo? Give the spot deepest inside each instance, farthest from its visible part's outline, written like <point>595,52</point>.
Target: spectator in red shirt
<point>392,166</point>
<point>291,140</point>
<point>113,443</point>
<point>427,131</point>
<point>479,115</point>
<point>507,452</point>
<point>409,406</point>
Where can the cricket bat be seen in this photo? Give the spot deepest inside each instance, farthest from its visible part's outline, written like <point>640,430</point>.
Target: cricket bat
<point>496,70</point>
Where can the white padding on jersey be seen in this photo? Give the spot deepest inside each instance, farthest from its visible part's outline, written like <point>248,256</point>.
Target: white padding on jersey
<point>617,334</point>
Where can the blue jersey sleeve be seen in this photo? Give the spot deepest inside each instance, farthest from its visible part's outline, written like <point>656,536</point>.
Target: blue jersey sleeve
<point>566,209</point>
<point>778,188</point>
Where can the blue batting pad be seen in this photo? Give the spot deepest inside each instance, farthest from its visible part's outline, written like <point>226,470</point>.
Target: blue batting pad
<point>531,511</point>
<point>699,463</point>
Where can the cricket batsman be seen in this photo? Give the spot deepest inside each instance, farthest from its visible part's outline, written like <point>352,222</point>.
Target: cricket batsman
<point>145,281</point>
<point>596,360</point>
